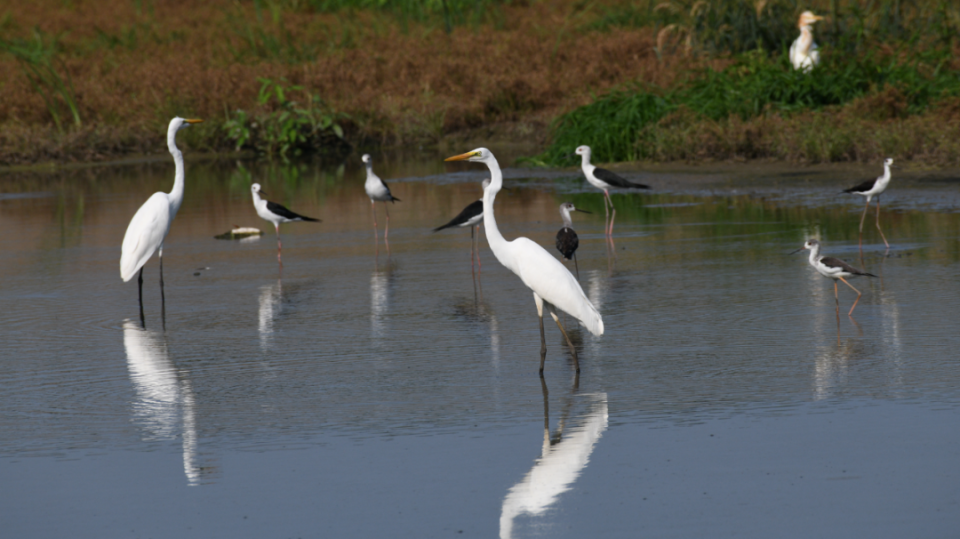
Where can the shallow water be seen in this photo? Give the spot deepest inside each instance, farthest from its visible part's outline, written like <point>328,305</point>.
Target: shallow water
<point>375,393</point>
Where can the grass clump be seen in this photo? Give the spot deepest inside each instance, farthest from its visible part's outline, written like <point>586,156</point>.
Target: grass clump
<point>283,127</point>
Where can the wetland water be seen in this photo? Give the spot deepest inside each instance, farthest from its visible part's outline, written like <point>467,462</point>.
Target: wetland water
<point>376,395</point>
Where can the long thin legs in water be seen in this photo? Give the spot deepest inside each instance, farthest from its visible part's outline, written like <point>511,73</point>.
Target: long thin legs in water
<point>475,247</point>
<point>613,212</point>
<point>276,227</point>
<point>862,217</point>
<point>143,323</point>
<point>373,209</point>
<point>854,289</point>
<point>163,297</point>
<point>386,229</point>
<point>543,341</point>
<point>573,349</point>
<point>878,224</point>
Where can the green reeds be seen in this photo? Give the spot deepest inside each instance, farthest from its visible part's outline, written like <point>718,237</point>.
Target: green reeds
<point>260,40</point>
<point>38,58</point>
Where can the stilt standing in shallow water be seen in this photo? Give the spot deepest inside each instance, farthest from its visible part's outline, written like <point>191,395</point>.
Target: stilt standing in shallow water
<point>873,188</point>
<point>471,216</point>
<point>377,191</point>
<point>276,214</point>
<point>835,269</point>
<point>604,180</point>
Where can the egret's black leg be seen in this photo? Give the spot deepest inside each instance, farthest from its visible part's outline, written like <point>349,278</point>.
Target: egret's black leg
<point>573,349</point>
<point>543,346</point>
<point>143,323</point>
<point>163,298</point>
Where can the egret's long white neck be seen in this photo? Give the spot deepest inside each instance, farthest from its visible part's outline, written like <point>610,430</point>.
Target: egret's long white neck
<point>494,238</point>
<point>176,195</point>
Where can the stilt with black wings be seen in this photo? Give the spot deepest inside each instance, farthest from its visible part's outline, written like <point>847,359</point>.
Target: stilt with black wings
<point>604,180</point>
<point>276,214</point>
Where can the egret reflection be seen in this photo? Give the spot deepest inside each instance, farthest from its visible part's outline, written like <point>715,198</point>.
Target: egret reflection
<point>165,404</point>
<point>563,457</point>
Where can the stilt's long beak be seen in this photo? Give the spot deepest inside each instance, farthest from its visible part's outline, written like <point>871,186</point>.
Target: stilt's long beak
<point>797,251</point>
<point>582,211</point>
<point>261,191</point>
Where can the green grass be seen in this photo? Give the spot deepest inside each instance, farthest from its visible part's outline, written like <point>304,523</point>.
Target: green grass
<point>622,125</point>
<point>735,26</point>
<point>40,61</point>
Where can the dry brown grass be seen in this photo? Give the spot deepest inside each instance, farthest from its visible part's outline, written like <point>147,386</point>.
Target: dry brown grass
<point>864,130</point>
<point>397,86</point>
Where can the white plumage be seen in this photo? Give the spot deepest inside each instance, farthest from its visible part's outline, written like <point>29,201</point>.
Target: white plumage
<point>541,272</point>
<point>377,190</point>
<point>803,53</point>
<point>151,223</point>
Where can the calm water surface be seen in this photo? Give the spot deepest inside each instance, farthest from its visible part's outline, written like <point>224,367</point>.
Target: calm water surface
<point>376,393</point>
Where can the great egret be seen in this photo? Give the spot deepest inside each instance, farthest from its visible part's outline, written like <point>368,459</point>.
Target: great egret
<point>803,53</point>
<point>151,223</point>
<point>833,268</point>
<point>276,214</point>
<point>869,189</point>
<point>471,216</point>
<point>551,282</point>
<point>567,240</point>
<point>377,191</point>
<point>604,180</point>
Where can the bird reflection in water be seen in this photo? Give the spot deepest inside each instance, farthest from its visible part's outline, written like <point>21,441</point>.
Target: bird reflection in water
<point>832,364</point>
<point>270,306</point>
<point>165,404</point>
<point>381,282</point>
<point>563,457</point>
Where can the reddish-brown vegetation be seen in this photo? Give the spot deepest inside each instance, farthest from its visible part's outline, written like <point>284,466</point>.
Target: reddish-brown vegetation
<point>131,72</point>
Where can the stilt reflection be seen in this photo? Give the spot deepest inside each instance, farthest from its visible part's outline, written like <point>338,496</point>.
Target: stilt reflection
<point>381,281</point>
<point>270,306</point>
<point>563,457</point>
<point>165,405</point>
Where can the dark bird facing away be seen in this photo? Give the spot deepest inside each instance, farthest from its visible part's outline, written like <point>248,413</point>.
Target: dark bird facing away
<point>567,239</point>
